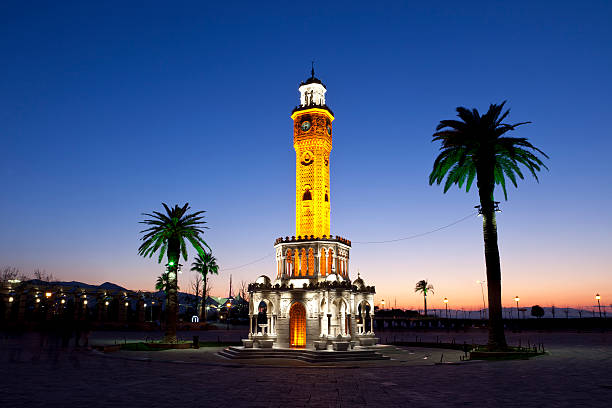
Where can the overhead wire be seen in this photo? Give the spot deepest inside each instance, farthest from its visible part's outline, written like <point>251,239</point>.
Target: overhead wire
<point>370,242</point>
<point>420,234</point>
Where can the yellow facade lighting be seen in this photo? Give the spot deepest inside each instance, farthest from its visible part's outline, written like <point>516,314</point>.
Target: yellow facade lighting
<point>48,294</point>
<point>311,111</point>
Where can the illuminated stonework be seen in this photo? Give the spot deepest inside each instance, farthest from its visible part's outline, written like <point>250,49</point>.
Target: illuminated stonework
<point>312,303</point>
<point>312,141</point>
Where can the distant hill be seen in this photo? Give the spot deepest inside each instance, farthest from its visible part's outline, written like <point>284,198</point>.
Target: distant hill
<point>76,284</point>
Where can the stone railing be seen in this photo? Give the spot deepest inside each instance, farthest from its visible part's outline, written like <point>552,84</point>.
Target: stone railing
<point>311,286</point>
<point>307,238</point>
<point>310,106</point>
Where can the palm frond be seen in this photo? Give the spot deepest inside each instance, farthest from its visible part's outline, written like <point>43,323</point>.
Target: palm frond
<point>474,148</point>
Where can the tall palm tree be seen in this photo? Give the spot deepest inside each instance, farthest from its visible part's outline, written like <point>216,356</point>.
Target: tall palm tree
<point>475,147</point>
<point>205,264</point>
<point>424,287</point>
<point>167,234</point>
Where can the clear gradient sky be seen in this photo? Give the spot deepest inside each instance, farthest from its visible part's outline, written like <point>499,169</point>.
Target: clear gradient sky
<point>106,110</point>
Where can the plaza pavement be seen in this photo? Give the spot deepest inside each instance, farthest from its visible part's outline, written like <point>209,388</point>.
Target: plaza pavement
<point>576,372</point>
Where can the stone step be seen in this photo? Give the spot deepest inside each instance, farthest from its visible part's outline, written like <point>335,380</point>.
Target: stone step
<point>303,355</point>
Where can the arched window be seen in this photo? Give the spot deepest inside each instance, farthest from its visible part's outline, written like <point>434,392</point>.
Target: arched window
<point>262,315</point>
<point>326,197</point>
<point>307,195</point>
<point>289,261</point>
<point>322,264</point>
<point>310,262</point>
<point>304,264</point>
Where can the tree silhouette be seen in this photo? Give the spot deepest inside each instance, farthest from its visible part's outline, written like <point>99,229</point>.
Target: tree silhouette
<point>474,148</point>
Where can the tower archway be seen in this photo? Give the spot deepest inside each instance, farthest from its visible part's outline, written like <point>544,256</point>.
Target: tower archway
<point>297,325</point>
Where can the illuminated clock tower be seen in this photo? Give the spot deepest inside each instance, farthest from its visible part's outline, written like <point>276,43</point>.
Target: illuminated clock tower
<point>312,140</point>
<point>312,301</point>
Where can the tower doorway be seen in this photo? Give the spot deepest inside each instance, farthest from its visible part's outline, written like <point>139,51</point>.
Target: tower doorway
<point>297,325</point>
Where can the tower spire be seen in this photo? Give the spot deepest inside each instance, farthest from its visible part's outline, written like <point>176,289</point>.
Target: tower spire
<point>312,70</point>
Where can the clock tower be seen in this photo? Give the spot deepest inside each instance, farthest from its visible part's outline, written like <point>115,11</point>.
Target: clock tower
<point>312,302</point>
<point>312,140</point>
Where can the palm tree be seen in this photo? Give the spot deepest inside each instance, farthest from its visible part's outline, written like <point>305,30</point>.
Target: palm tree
<point>163,283</point>
<point>167,234</point>
<point>424,287</point>
<point>474,147</point>
<point>205,264</point>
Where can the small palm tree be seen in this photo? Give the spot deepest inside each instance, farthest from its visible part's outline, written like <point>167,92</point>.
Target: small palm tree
<point>163,283</point>
<point>475,148</point>
<point>205,264</point>
<point>167,234</point>
<point>424,287</point>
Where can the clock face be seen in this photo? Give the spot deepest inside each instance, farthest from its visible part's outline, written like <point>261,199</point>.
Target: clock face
<point>329,130</point>
<point>305,125</point>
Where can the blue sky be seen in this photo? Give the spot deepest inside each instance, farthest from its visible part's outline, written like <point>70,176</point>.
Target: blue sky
<point>106,110</point>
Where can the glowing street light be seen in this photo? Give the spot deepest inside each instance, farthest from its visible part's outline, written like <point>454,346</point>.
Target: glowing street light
<point>11,299</point>
<point>48,294</point>
<point>516,299</point>
<point>446,306</point>
<point>598,303</point>
<point>228,305</point>
<point>85,302</point>
<point>106,303</point>
<point>382,304</point>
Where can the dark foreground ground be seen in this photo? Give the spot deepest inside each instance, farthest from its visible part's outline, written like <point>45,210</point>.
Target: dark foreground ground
<point>576,372</point>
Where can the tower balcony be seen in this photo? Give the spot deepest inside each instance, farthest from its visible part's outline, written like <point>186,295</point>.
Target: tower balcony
<point>310,238</point>
<point>311,258</point>
<point>312,106</point>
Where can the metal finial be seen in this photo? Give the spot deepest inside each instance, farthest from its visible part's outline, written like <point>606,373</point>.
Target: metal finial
<point>312,70</point>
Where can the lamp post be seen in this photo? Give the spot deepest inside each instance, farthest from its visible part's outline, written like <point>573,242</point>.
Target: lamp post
<point>516,299</point>
<point>382,304</point>
<point>446,306</point>
<point>484,305</point>
<point>228,305</point>
<point>598,303</point>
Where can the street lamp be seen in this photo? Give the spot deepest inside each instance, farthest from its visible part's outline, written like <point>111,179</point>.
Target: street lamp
<point>484,305</point>
<point>516,299</point>
<point>446,306</point>
<point>228,305</point>
<point>598,303</point>
<point>382,304</point>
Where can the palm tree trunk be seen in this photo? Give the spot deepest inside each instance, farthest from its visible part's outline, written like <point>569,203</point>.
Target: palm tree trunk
<point>174,248</point>
<point>171,306</point>
<point>497,338</point>
<point>425,303</point>
<point>204,313</point>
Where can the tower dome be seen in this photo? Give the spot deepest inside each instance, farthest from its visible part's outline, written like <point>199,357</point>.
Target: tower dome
<point>359,283</point>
